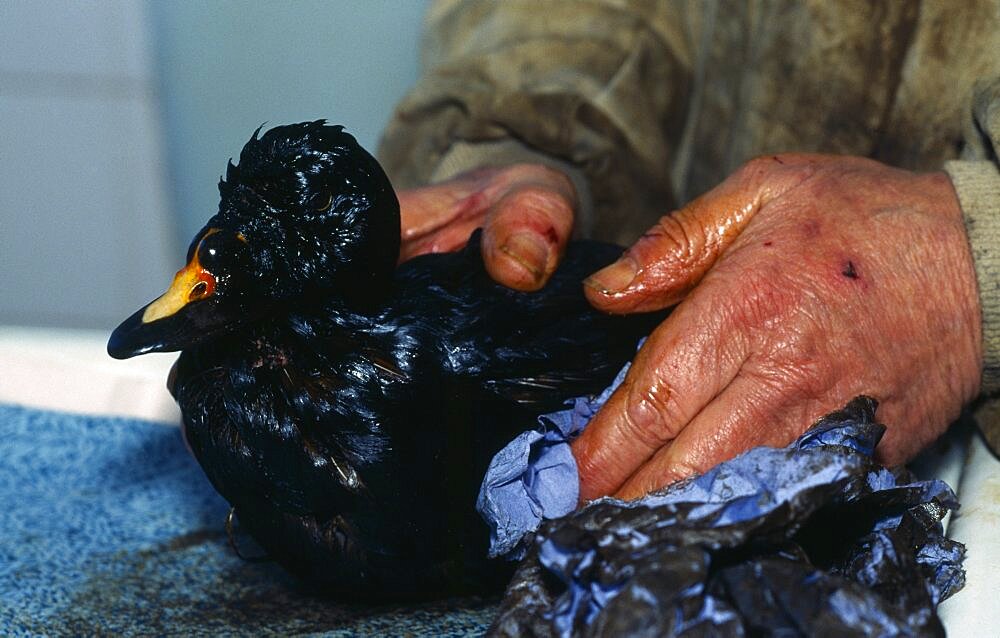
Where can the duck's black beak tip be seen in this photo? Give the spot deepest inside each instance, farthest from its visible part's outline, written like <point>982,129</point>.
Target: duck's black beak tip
<point>151,330</point>
<point>130,338</point>
<point>115,351</point>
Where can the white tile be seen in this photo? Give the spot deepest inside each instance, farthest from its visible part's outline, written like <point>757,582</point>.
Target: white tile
<point>69,370</point>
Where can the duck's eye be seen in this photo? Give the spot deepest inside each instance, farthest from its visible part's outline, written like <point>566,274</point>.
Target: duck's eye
<point>323,202</point>
<point>202,282</point>
<point>198,291</point>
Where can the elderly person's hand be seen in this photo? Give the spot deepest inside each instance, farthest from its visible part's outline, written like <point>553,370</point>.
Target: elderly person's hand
<point>802,281</point>
<point>526,212</point>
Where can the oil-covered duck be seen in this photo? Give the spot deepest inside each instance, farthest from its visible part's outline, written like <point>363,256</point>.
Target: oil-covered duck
<point>348,408</point>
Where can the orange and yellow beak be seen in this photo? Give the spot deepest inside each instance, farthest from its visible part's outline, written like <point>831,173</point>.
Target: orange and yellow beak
<point>174,321</point>
<point>191,283</point>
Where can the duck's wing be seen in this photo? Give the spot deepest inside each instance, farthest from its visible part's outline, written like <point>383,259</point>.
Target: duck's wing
<point>576,356</point>
<point>537,349</point>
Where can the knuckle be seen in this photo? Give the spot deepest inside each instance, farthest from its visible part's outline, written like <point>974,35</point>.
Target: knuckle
<point>763,164</point>
<point>521,171</point>
<point>551,178</point>
<point>765,169</point>
<point>784,170</point>
<point>673,237</point>
<point>760,165</point>
<point>652,415</point>
<point>538,204</point>
<point>552,175</point>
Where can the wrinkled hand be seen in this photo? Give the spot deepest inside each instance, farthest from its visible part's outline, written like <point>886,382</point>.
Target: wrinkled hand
<point>803,281</point>
<point>526,212</point>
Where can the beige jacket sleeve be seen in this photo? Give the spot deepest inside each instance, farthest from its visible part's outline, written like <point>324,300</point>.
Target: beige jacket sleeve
<point>600,88</point>
<point>976,178</point>
<point>551,81</point>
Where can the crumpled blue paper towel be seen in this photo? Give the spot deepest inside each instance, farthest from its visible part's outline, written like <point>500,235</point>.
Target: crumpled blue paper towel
<point>811,539</point>
<point>534,477</point>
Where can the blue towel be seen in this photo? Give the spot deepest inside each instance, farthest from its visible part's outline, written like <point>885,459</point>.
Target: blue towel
<point>109,527</point>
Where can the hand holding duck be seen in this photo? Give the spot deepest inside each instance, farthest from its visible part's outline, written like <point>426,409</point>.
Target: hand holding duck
<point>802,280</point>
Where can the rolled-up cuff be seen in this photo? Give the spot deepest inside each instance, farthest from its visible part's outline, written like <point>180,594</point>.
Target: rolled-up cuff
<point>978,186</point>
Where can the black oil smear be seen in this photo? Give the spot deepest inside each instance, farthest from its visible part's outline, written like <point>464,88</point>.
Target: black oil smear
<point>191,585</point>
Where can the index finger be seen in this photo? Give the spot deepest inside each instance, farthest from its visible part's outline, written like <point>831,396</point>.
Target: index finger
<point>686,362</point>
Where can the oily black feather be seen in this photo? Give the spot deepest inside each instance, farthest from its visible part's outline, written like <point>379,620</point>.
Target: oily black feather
<point>308,199</point>
<point>350,413</point>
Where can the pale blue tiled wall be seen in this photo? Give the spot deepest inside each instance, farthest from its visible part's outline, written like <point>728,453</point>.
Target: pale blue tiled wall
<point>117,117</point>
<point>84,233</point>
<point>226,67</point>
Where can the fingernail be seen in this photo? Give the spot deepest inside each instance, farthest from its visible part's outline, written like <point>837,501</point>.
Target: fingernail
<point>615,277</point>
<point>529,250</point>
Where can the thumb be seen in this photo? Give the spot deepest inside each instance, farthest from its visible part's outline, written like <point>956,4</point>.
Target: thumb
<point>672,257</point>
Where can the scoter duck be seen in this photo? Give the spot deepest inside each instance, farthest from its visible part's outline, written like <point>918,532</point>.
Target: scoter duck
<point>345,407</point>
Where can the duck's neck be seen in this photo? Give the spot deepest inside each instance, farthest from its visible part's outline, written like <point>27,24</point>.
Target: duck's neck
<point>332,317</point>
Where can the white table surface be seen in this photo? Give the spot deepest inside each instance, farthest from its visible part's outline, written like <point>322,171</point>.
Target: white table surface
<point>69,370</point>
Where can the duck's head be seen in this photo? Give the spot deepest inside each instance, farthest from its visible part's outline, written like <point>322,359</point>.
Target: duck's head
<point>306,211</point>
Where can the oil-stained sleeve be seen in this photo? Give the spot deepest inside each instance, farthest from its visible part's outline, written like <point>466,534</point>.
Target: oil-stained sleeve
<point>597,86</point>
<point>977,181</point>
